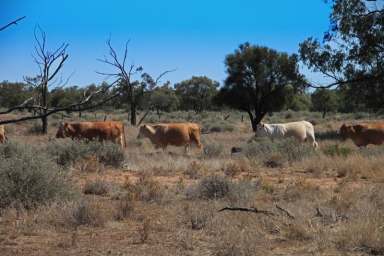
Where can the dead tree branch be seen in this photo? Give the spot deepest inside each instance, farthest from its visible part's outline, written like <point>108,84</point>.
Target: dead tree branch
<point>12,23</point>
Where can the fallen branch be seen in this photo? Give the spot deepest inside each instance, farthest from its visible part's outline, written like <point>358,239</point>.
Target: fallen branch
<point>285,211</point>
<point>253,209</point>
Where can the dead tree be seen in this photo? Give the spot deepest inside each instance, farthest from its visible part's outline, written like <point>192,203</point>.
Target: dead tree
<point>49,64</point>
<point>130,79</point>
<point>129,88</point>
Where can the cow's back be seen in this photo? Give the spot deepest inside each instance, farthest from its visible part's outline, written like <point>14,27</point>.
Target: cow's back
<point>101,130</point>
<point>371,133</point>
<point>173,134</point>
<point>298,129</point>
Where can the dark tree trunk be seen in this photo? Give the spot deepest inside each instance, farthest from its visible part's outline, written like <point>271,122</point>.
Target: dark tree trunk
<point>158,113</point>
<point>324,113</point>
<point>44,121</point>
<point>133,114</point>
<point>255,119</point>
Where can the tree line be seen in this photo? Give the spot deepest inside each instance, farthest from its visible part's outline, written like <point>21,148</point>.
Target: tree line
<point>260,80</point>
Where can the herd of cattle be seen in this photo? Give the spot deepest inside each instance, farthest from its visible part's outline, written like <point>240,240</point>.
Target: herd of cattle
<point>185,134</point>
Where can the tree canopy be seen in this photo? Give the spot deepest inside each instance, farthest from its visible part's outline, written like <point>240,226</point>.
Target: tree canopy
<point>196,93</point>
<point>259,79</point>
<point>352,51</point>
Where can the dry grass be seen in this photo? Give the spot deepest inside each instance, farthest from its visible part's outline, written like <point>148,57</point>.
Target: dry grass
<point>167,203</point>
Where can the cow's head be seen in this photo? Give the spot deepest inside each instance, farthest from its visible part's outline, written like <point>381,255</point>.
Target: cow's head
<point>261,130</point>
<point>346,131</point>
<point>144,131</point>
<point>64,130</point>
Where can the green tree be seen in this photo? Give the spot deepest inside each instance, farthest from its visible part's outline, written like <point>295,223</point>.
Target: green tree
<point>164,99</point>
<point>324,100</point>
<point>13,94</point>
<point>352,51</point>
<point>258,80</point>
<point>197,93</point>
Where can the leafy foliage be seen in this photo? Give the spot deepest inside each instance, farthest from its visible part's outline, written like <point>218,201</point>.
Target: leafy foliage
<point>352,51</point>
<point>259,80</point>
<point>196,93</point>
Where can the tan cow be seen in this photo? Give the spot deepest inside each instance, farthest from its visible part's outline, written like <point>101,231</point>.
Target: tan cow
<point>363,134</point>
<point>175,134</point>
<point>3,138</point>
<point>107,130</point>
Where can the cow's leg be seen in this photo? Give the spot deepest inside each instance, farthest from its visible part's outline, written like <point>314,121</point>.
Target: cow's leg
<point>186,149</point>
<point>312,140</point>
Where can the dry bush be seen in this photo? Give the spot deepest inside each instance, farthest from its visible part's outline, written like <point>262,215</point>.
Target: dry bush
<point>96,187</point>
<point>233,169</point>
<point>363,230</point>
<point>275,161</point>
<point>68,152</point>
<point>144,230</point>
<point>337,150</point>
<point>198,215</point>
<point>242,193</point>
<point>194,170</point>
<point>83,213</point>
<point>145,189</point>
<point>34,128</point>
<point>211,187</point>
<point>124,208</point>
<point>213,150</point>
<point>297,230</point>
<point>185,241</point>
<point>28,179</point>
<point>89,164</point>
<point>300,190</point>
<point>286,150</point>
<point>238,234</point>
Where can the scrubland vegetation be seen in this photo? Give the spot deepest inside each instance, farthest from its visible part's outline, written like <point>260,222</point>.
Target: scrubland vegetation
<point>69,197</point>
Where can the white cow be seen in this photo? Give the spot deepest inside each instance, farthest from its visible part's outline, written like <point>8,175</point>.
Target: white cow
<point>301,130</point>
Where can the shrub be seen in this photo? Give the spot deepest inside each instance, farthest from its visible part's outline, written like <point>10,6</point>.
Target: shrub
<point>288,149</point>
<point>83,213</point>
<point>211,187</point>
<point>145,189</point>
<point>337,150</point>
<point>28,179</point>
<point>213,150</point>
<point>97,187</point>
<point>35,128</point>
<point>67,152</point>
<point>198,215</point>
<point>124,208</point>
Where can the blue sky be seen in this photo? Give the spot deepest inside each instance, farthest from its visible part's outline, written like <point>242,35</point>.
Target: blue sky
<point>193,36</point>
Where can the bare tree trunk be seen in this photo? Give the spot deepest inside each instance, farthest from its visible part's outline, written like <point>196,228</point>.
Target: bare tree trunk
<point>255,120</point>
<point>324,113</point>
<point>44,119</point>
<point>133,114</point>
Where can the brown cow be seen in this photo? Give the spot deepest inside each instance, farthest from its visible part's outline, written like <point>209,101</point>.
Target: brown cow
<point>108,130</point>
<point>363,134</point>
<point>3,138</point>
<point>175,134</point>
